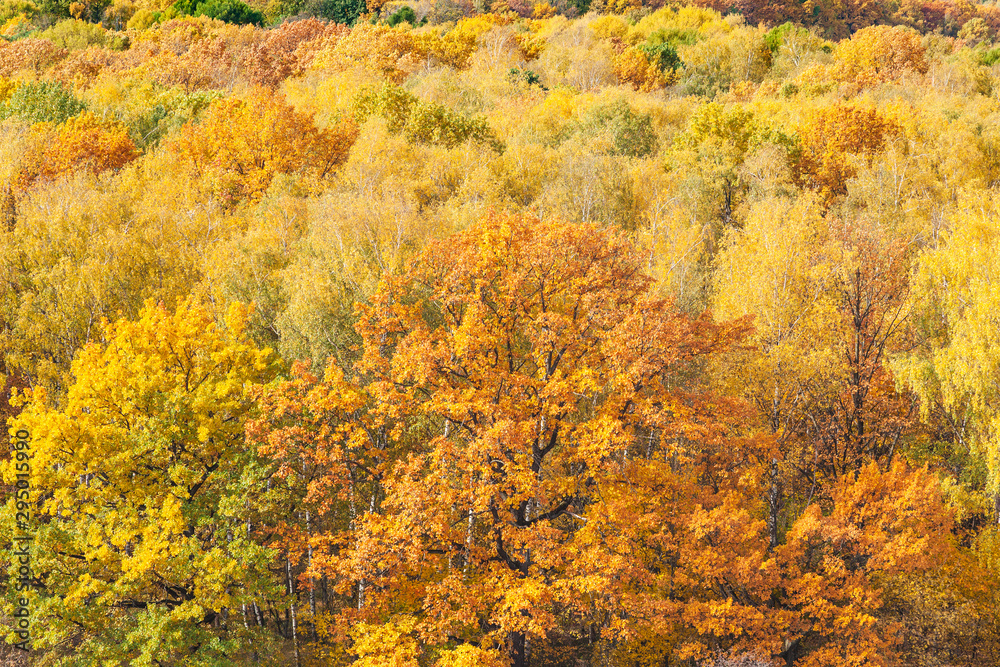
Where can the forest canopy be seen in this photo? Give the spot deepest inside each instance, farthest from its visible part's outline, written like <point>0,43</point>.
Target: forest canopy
<point>439,333</point>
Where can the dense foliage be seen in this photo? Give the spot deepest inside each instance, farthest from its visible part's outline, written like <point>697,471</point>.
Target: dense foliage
<point>431,333</point>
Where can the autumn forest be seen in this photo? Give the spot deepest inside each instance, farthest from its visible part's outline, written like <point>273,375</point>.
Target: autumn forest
<point>441,333</point>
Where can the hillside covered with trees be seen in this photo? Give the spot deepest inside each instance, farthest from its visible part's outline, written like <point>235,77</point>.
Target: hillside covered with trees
<point>449,335</point>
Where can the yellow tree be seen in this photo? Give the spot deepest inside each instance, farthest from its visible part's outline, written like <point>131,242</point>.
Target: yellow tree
<point>953,367</point>
<point>778,268</point>
<point>957,300</point>
<point>830,306</point>
<point>141,548</point>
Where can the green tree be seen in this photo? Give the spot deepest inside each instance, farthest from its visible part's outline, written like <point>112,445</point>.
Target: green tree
<point>42,102</point>
<point>710,154</point>
<point>338,11</point>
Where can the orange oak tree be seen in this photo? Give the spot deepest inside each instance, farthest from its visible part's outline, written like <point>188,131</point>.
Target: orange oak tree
<point>526,461</point>
<point>524,374</point>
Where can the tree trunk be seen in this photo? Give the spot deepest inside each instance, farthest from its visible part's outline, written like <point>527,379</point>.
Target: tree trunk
<point>312,582</point>
<point>518,650</point>
<point>773,504</point>
<point>293,620</point>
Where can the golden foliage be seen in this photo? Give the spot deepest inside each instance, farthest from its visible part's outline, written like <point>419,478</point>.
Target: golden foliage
<point>833,138</point>
<point>880,53</point>
<point>498,236</point>
<point>83,143</point>
<point>239,146</point>
<point>113,432</point>
<point>632,67</point>
<point>30,54</point>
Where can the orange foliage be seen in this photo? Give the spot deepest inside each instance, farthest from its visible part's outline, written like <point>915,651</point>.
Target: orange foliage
<point>279,56</point>
<point>819,590</point>
<point>328,452</point>
<point>209,64</point>
<point>238,146</point>
<point>991,15</point>
<point>82,67</point>
<point>831,136</point>
<point>880,53</point>
<point>525,366</point>
<point>82,142</point>
<point>32,53</point>
<point>306,52</point>
<point>540,464</point>
<point>632,67</point>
